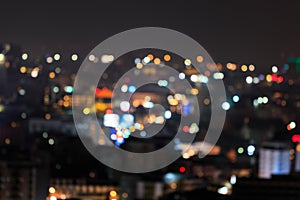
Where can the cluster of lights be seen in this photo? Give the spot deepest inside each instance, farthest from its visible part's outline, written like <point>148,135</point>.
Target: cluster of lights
<point>250,150</point>
<point>260,100</point>
<point>292,125</point>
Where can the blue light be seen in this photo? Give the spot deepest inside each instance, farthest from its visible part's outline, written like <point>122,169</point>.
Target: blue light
<point>132,89</point>
<point>235,98</point>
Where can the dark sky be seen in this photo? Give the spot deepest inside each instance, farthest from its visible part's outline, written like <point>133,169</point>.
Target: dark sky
<point>261,32</point>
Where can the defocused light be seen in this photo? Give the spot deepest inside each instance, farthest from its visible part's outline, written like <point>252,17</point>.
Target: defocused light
<point>107,58</point>
<point>182,169</point>
<point>68,89</point>
<point>124,88</point>
<point>86,111</point>
<point>22,92</point>
<point>250,150</point>
<point>265,100</point>
<point>131,89</point>
<point>92,58</point>
<point>240,150</point>
<point>56,89</point>
<point>137,60</point>
<point>146,60</point>
<point>274,69</point>
<point>74,57</point>
<point>218,75</point>
<point>45,135</point>
<point>7,141</point>
<point>51,141</point>
<point>150,56</point>
<point>143,133</point>
<point>125,106</point>
<point>223,190</point>
<point>23,69</point>
<point>235,98</point>
<point>168,114</point>
<point>52,75</point>
<point>199,59</point>
<point>225,106</point>
<point>187,62</point>
<point>251,68</point>
<point>47,116</point>
<point>53,198</point>
<point>35,72</point>
<point>113,193</point>
<point>194,78</point>
<point>181,76</point>
<point>249,79</point>
<point>24,56</point>
<point>167,57</point>
<point>49,60</point>
<point>255,80</point>
<point>52,190</point>
<point>244,68</point>
<point>292,125</point>
<point>156,61</point>
<point>56,57</point>
<point>233,179</point>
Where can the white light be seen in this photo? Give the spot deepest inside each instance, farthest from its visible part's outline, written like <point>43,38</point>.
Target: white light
<point>249,79</point>
<point>148,104</point>
<point>24,56</point>
<point>194,78</point>
<point>265,100</point>
<point>255,80</point>
<point>124,106</point>
<point>124,88</point>
<point>181,76</point>
<point>51,141</point>
<point>34,73</point>
<point>143,133</point>
<point>292,125</point>
<point>56,57</point>
<point>107,58</point>
<point>251,150</point>
<point>255,103</point>
<point>233,179</point>
<point>111,120</point>
<point>55,89</point>
<point>92,58</point>
<point>22,92</point>
<point>203,79</point>
<point>53,198</point>
<point>260,100</point>
<point>146,59</point>
<point>137,61</point>
<point>68,89</point>
<point>274,69</point>
<point>223,190</point>
<point>168,114</point>
<point>74,57</point>
<point>218,76</point>
<point>235,98</point>
<point>225,106</point>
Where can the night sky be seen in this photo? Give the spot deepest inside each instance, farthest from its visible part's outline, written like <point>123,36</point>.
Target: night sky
<point>259,32</point>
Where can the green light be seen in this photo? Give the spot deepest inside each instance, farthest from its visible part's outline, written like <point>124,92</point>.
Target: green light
<point>240,150</point>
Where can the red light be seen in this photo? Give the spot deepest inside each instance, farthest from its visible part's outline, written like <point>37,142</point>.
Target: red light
<point>274,77</point>
<point>109,111</point>
<point>279,79</point>
<point>186,129</point>
<point>182,169</point>
<point>296,138</point>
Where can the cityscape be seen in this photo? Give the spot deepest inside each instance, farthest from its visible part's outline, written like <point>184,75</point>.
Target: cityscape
<point>47,155</point>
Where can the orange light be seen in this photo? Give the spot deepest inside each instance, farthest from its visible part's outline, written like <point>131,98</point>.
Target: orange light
<point>156,61</point>
<point>51,75</point>
<point>298,147</point>
<point>167,57</point>
<point>150,56</point>
<point>199,59</point>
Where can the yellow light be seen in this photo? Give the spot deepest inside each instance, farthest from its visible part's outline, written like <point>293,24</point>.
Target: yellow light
<point>173,102</point>
<point>74,57</point>
<point>269,78</point>
<point>86,111</point>
<point>200,59</point>
<point>52,190</point>
<point>187,62</point>
<point>51,75</point>
<point>194,91</point>
<point>23,69</point>
<point>2,59</point>
<point>113,193</point>
<point>150,56</point>
<point>156,61</point>
<point>244,68</point>
<point>206,101</point>
<point>167,57</point>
